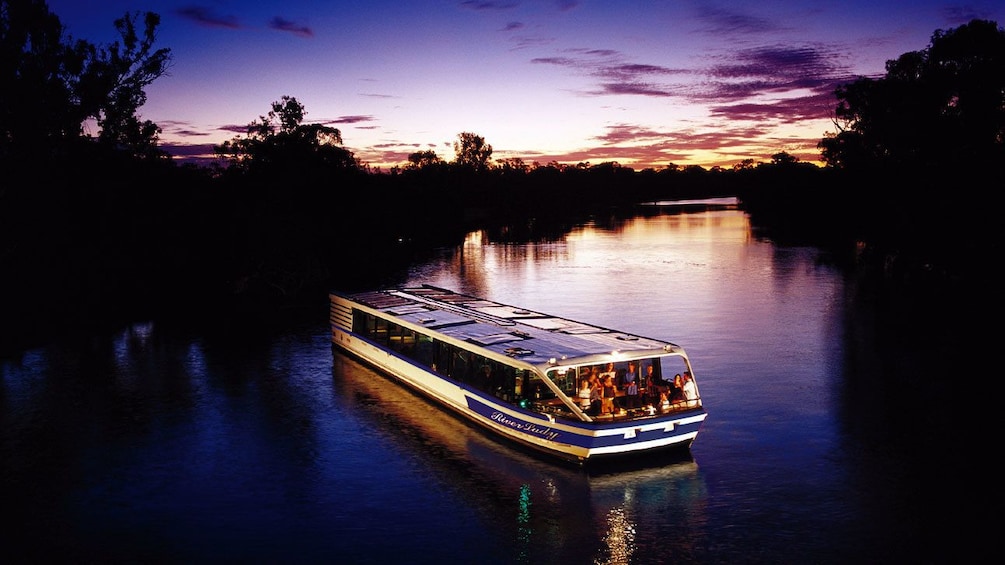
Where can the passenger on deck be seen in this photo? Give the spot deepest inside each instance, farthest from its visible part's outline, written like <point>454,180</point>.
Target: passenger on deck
<point>485,382</point>
<point>676,392</point>
<point>652,394</point>
<point>584,395</point>
<point>631,386</point>
<point>596,396</point>
<point>690,391</point>
<point>608,372</point>
<point>633,371</point>
<point>610,391</point>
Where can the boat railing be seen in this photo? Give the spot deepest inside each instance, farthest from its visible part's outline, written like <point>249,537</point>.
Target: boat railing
<point>556,408</point>
<point>458,309</point>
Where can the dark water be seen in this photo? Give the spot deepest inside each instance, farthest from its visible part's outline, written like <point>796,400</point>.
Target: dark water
<point>829,438</point>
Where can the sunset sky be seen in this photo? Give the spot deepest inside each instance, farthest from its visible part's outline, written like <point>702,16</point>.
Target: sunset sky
<point>643,83</point>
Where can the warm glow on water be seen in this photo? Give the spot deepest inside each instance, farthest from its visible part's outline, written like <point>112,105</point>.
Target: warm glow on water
<point>696,278</point>
<point>208,446</point>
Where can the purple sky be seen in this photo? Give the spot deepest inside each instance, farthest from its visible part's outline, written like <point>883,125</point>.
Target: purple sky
<point>643,83</point>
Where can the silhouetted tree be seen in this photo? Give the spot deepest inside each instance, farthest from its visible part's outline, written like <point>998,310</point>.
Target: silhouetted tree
<point>79,207</point>
<point>288,179</point>
<point>280,141</point>
<point>744,165</point>
<point>472,152</point>
<point>53,84</point>
<point>112,87</point>
<point>783,158</point>
<point>513,165</point>
<point>942,106</point>
<point>36,67</point>
<point>422,159</point>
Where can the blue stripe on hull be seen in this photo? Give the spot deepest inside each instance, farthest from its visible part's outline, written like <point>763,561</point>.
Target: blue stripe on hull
<point>586,439</point>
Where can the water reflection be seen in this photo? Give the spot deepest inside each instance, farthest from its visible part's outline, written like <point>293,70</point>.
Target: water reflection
<point>562,513</point>
<point>846,425</point>
<point>146,445</point>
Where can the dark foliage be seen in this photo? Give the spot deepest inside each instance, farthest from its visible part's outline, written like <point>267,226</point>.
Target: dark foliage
<point>94,233</point>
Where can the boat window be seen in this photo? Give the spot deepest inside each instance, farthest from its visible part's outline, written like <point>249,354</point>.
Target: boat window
<point>424,349</point>
<point>363,323</point>
<point>565,381</point>
<point>462,365</point>
<point>664,394</point>
<point>442,358</point>
<point>535,389</point>
<point>380,331</point>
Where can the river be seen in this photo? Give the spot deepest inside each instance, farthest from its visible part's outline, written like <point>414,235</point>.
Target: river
<point>828,439</point>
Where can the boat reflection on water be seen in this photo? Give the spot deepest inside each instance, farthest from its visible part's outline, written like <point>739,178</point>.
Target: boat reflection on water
<point>617,512</point>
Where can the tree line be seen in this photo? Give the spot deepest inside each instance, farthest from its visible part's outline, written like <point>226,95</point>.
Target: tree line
<point>107,228</point>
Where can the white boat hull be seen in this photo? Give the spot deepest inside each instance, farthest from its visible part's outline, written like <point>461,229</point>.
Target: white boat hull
<point>577,441</point>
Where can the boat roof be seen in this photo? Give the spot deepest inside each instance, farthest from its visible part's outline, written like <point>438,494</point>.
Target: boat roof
<point>531,336</point>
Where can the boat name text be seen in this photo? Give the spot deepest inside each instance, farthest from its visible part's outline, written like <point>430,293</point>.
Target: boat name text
<point>528,427</point>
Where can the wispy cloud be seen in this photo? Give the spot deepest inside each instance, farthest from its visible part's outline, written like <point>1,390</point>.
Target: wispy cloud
<point>207,17</point>
<point>186,151</point>
<point>623,133</point>
<point>651,139</point>
<point>488,5</point>
<point>633,88</point>
<point>721,21</point>
<point>234,128</point>
<point>560,61</point>
<point>784,64</point>
<point>182,129</point>
<point>283,24</point>
<point>802,79</point>
<point>616,75</point>
<point>818,105</point>
<point>651,147</point>
<point>352,119</point>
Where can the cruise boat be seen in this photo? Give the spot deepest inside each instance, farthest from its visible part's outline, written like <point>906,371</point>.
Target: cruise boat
<point>524,375</point>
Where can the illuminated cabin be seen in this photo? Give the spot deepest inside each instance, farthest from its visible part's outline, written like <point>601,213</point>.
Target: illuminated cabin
<point>518,373</point>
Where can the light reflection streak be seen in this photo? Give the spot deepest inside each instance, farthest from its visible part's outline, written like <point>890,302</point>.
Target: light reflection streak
<point>524,529</point>
<point>619,540</point>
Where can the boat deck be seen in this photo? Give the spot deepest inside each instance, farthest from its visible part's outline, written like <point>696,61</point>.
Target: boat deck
<point>534,337</point>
